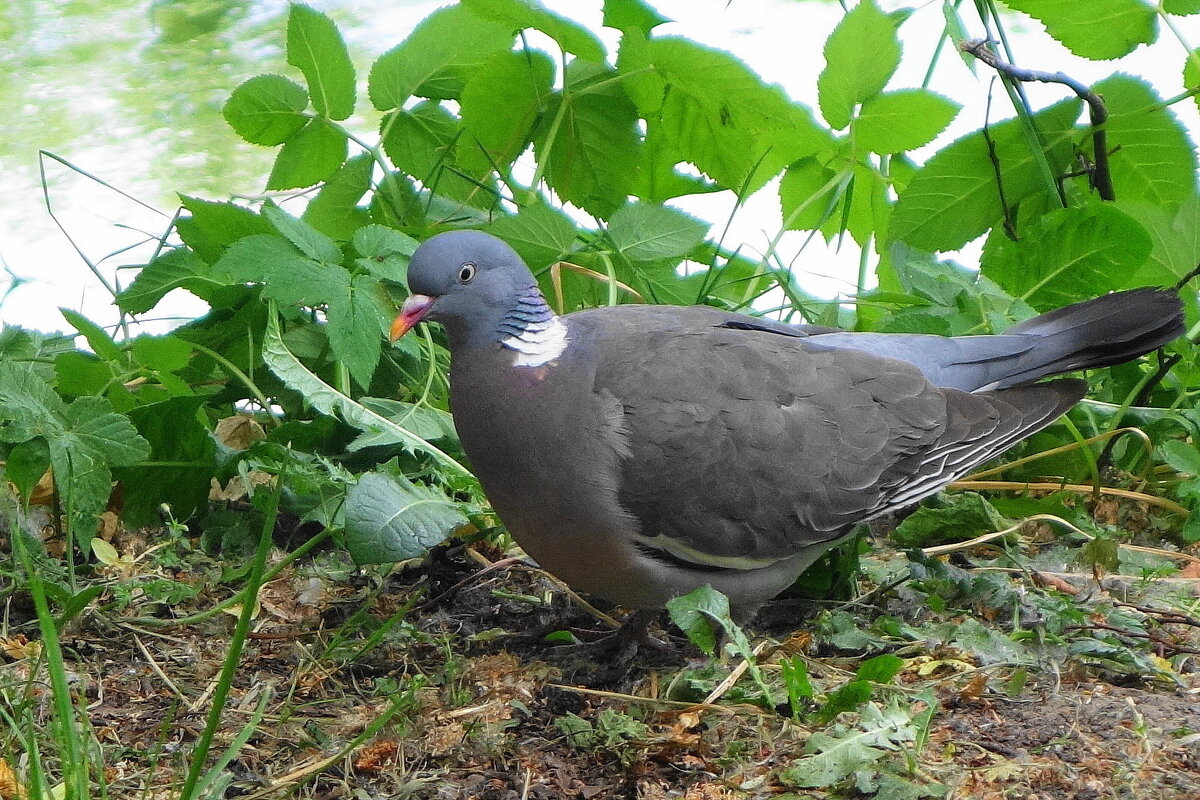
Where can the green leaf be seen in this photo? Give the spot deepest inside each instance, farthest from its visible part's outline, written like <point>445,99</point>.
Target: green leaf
<point>307,239</point>
<point>421,143</point>
<point>266,110</point>
<point>97,338</point>
<point>541,234</point>
<point>185,452</point>
<point>646,232</point>
<point>953,198</point>
<point>808,194</point>
<point>571,37</point>
<point>173,269</point>
<point>694,613</point>
<point>309,157</point>
<point>719,115</point>
<point>956,516</point>
<point>358,320</point>
<point>1181,456</point>
<point>30,407</point>
<point>1176,239</point>
<point>253,258</point>
<point>316,48</point>
<point>861,55</point>
<point>214,226</point>
<point>590,157</point>
<point>26,463</point>
<point>658,179</point>
<point>431,424</point>
<point>903,120</point>
<point>437,58</point>
<point>1181,7</point>
<point>1152,157</point>
<point>335,211</point>
<point>325,399</point>
<point>880,669</point>
<point>162,353</point>
<point>384,251</point>
<point>499,105</point>
<point>389,518</point>
<point>81,373</point>
<point>1107,29</point>
<point>94,424</point>
<point>635,15</point>
<point>303,282</point>
<point>1067,255</point>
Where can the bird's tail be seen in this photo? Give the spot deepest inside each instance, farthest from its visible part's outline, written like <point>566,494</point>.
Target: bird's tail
<point>1106,330</point>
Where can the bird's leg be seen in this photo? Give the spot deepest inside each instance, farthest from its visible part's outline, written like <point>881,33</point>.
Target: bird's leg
<point>625,641</point>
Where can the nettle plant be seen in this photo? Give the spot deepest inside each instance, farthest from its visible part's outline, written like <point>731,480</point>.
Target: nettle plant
<point>573,154</point>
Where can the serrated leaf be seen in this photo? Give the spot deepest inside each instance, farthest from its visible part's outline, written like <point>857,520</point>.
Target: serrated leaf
<point>429,423</point>
<point>310,156</point>
<point>177,268</point>
<point>1067,255</point>
<point>93,423</point>
<point>1109,28</point>
<point>437,58</point>
<point>384,251</point>
<point>1176,238</point>
<point>81,373</point>
<point>645,232</point>
<point>861,55</point>
<point>214,226</point>
<point>902,120</point>
<point>327,400</point>
<point>540,234</point>
<point>1181,7</point>
<point>957,516</point>
<point>168,353</point>
<point>26,463</point>
<point>303,282</point>
<point>266,109</point>
<point>316,48</point>
<point>389,518</point>
<point>357,321</point>
<point>591,159</point>
<point>808,194</point>
<point>185,456</point>
<point>97,338</point>
<point>421,142</point>
<point>635,15</point>
<point>252,258</point>
<point>1181,456</point>
<point>1152,158</point>
<point>953,199</point>
<point>335,211</point>
<point>499,105</point>
<point>306,238</point>
<point>571,37</point>
<point>717,114</point>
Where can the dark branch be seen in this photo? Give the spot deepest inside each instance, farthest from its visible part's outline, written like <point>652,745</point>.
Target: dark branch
<point>1101,176</point>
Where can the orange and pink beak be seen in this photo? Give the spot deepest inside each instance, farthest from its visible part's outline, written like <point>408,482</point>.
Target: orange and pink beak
<point>413,311</point>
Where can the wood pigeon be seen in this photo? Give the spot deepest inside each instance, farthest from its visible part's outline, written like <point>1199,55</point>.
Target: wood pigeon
<point>639,452</point>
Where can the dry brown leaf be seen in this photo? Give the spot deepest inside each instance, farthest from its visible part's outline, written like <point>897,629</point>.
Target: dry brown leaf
<point>18,647</point>
<point>43,491</point>
<point>377,755</point>
<point>10,787</point>
<point>239,431</point>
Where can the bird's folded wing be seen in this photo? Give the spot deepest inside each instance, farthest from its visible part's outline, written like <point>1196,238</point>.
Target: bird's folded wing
<point>746,448</point>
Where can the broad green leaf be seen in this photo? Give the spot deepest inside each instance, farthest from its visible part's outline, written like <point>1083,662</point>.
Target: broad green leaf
<point>306,238</point>
<point>172,269</point>
<point>390,518</point>
<point>93,423</point>
<point>429,423</point>
<point>808,194</point>
<point>1181,456</point>
<point>1181,7</point>
<point>956,516</point>
<point>357,322</point>
<point>499,104</point>
<point>97,338</point>
<point>301,281</point>
<point>903,120</point>
<point>1101,30</point>
<point>541,234</point>
<point>81,373</point>
<point>253,258</point>
<point>214,226</point>
<point>719,115</point>
<point>694,614</point>
<point>658,178</point>
<point>335,211</point>
<point>953,198</point>
<point>632,15</point>
<point>1067,255</point>
<point>437,58</point>
<point>383,251</point>
<point>645,232</point>
<point>266,110</point>
<point>420,142</point>
<point>310,156</point>
<point>26,463</point>
<point>28,406</point>
<point>327,400</point>
<point>161,353</point>
<point>590,157</point>
<point>1176,239</point>
<point>1152,157</point>
<point>316,48</point>
<point>185,452</point>
<point>880,669</point>
<point>571,37</point>
<point>860,56</point>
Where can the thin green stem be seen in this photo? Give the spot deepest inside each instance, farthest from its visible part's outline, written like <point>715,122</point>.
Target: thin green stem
<point>241,376</point>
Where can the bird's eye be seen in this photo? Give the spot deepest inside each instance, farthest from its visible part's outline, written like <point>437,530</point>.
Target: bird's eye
<point>465,273</point>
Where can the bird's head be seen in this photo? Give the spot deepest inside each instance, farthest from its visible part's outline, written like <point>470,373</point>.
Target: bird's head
<point>468,281</point>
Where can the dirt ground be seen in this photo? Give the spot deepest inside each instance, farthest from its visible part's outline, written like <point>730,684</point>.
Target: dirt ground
<point>475,703</point>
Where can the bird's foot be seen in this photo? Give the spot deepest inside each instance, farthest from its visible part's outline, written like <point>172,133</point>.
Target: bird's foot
<point>624,643</point>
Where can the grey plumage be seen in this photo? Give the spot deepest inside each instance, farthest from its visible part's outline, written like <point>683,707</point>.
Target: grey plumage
<point>639,452</point>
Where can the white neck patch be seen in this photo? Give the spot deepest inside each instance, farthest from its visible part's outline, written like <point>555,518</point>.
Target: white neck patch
<point>538,343</point>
